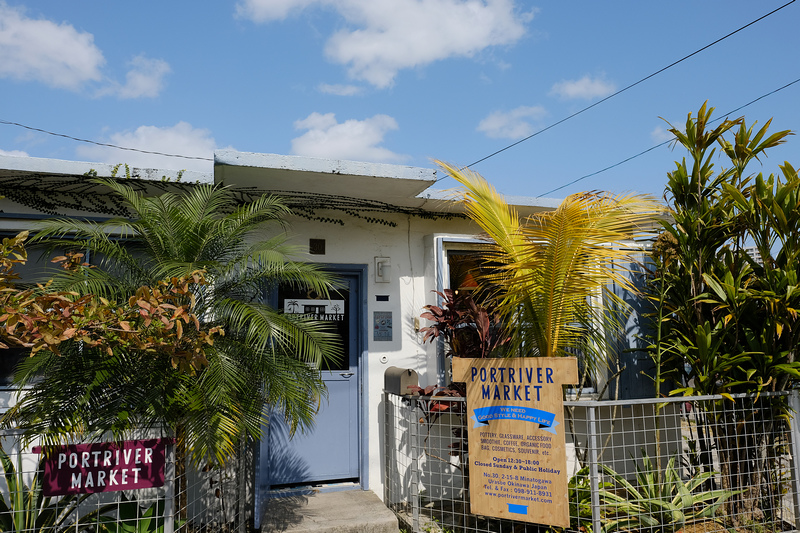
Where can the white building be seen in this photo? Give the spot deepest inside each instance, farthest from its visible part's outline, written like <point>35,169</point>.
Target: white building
<point>383,227</point>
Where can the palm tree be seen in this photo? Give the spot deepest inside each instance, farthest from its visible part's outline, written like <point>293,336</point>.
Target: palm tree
<point>265,360</point>
<point>549,267</point>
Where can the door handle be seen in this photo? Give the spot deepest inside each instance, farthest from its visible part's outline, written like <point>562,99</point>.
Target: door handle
<point>346,374</point>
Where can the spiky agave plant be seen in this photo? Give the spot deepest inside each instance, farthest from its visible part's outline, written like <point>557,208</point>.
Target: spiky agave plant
<point>24,507</point>
<point>659,501</point>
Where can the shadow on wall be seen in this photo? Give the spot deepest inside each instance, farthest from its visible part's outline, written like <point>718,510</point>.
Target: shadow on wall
<point>284,463</point>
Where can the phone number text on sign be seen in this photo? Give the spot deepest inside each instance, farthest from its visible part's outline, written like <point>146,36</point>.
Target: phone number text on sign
<point>516,440</point>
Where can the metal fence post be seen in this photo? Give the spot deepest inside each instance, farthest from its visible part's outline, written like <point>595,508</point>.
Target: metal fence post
<point>169,481</point>
<point>241,489</point>
<point>388,444</point>
<point>794,404</point>
<point>592,441</point>
<point>415,503</point>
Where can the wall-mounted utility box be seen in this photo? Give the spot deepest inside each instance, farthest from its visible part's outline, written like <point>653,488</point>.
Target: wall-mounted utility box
<point>397,380</point>
<point>383,270</point>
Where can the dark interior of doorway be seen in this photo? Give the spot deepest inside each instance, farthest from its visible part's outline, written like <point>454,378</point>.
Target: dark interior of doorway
<point>303,484</point>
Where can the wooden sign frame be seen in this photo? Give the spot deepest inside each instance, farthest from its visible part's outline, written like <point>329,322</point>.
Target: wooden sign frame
<point>517,451</point>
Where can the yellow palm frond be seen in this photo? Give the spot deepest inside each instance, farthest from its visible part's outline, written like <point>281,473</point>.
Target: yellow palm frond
<point>553,262</point>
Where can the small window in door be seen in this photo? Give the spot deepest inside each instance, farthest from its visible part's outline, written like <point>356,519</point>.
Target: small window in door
<point>334,310</point>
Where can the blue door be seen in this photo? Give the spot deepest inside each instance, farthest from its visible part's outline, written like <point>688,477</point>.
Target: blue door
<point>328,452</point>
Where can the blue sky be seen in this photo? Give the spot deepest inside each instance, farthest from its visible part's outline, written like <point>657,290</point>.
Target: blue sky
<point>395,81</point>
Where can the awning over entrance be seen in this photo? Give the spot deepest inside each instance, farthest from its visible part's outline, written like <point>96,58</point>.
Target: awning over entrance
<point>393,184</point>
<point>313,187</point>
<point>349,185</point>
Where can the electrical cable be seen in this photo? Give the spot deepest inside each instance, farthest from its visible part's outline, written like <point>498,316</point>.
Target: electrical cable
<point>103,144</point>
<point>626,88</point>
<point>666,142</point>
<point>108,145</point>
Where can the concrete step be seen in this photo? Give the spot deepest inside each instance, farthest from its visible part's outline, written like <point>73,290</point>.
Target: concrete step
<point>350,511</point>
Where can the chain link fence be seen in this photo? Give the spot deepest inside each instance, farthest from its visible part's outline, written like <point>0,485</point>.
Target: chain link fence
<point>688,465</point>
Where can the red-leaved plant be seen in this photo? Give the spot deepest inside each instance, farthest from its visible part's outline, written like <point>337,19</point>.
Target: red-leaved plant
<point>469,330</point>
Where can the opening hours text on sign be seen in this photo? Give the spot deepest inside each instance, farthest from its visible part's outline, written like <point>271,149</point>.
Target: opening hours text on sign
<point>103,466</point>
<point>517,452</point>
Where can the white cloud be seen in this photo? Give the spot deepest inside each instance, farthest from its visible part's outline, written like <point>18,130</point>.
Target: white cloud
<point>145,78</point>
<point>339,90</point>
<point>586,88</point>
<point>351,139</point>
<point>60,56</point>
<point>41,50</point>
<point>514,124</point>
<point>268,10</point>
<point>14,153</point>
<point>386,36</point>
<point>180,139</point>
<point>659,135</point>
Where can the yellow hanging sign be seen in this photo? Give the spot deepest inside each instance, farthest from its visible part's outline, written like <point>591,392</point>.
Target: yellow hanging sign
<point>517,452</point>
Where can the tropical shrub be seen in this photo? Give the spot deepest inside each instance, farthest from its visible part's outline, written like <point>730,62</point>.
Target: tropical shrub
<point>265,360</point>
<point>726,290</point>
<point>25,508</point>
<point>156,325</point>
<point>658,501</point>
<point>468,329</point>
<point>551,272</point>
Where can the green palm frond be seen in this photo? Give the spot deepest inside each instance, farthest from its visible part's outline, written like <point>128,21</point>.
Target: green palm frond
<point>265,360</point>
<point>263,328</point>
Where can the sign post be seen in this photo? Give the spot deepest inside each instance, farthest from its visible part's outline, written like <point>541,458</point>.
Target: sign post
<point>517,456</point>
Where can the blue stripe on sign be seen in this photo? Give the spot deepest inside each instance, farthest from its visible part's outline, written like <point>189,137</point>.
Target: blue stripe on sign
<point>517,509</point>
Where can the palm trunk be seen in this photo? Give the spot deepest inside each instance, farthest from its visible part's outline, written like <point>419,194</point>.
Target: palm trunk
<point>181,497</point>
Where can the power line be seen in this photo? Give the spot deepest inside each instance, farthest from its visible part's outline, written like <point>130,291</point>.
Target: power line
<point>666,142</point>
<point>108,145</point>
<point>103,144</point>
<point>628,87</point>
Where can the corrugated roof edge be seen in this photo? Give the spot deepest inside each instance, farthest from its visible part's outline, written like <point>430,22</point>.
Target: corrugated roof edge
<point>527,201</point>
<point>37,165</point>
<point>324,165</point>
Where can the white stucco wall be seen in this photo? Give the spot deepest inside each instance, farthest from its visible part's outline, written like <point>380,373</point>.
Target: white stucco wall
<point>408,246</point>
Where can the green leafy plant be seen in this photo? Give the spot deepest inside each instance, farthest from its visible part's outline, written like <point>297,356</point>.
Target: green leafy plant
<point>548,265</point>
<point>726,295</point>
<point>579,495</point>
<point>26,508</point>
<point>662,501</point>
<point>129,517</point>
<point>266,359</point>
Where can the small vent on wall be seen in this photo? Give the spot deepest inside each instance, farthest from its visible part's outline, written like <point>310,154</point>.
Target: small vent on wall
<point>316,246</point>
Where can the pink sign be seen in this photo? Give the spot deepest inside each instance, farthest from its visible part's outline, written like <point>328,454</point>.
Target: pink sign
<point>104,467</point>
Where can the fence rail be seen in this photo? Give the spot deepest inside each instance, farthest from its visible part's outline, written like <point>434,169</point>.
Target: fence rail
<point>689,465</point>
